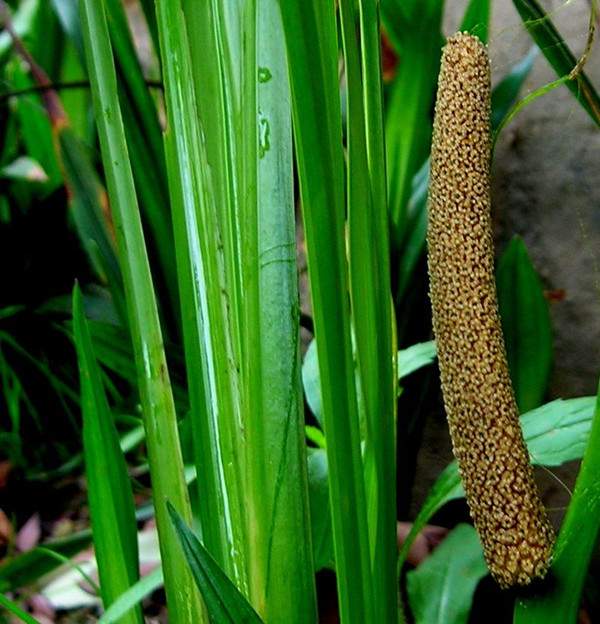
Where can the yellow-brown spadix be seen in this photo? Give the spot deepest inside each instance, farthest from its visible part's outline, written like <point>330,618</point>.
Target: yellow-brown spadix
<point>482,413</point>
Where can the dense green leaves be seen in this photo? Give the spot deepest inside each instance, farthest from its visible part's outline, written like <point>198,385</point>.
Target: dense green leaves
<point>525,324</point>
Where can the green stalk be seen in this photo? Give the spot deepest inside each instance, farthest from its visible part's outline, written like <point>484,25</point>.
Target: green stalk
<point>574,546</point>
<point>280,565</point>
<point>160,421</point>
<point>311,39</point>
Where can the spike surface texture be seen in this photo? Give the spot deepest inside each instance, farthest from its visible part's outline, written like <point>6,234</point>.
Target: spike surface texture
<point>514,529</point>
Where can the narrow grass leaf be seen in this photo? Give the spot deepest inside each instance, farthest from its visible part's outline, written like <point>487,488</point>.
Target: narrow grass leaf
<point>311,39</point>
<point>574,546</point>
<point>441,589</point>
<point>133,596</point>
<point>109,490</point>
<point>14,608</point>
<point>224,602</point>
<point>166,465</point>
<point>370,292</point>
<point>525,325</point>
<point>559,55</point>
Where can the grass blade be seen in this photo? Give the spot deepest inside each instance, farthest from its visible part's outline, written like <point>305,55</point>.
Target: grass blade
<point>109,491</point>
<point>574,546</point>
<point>311,41</point>
<point>224,602</point>
<point>133,596</point>
<point>370,290</point>
<point>559,55</point>
<point>164,453</point>
<point>14,608</point>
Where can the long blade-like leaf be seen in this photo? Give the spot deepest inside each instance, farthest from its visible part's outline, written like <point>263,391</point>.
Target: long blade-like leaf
<point>311,41</point>
<point>164,453</point>
<point>109,491</point>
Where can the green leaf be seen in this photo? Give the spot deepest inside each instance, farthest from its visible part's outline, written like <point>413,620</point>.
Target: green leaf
<point>415,357</point>
<point>320,519</point>
<point>525,324</point>
<point>554,433</point>
<point>158,409</point>
<point>14,608</point>
<point>109,490</point>
<point>133,596</point>
<point>558,54</point>
<point>408,118</point>
<point>476,19</point>
<point>312,52</point>
<point>224,602</point>
<point>574,546</point>
<point>441,589</point>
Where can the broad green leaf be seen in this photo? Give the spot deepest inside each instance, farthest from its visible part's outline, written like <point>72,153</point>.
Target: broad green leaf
<point>558,54</point>
<point>476,19</point>
<point>109,490</point>
<point>525,324</point>
<point>320,519</point>
<point>133,596</point>
<point>224,602</point>
<point>158,408</point>
<point>415,357</point>
<point>575,544</point>
<point>14,608</point>
<point>554,433</point>
<point>441,589</point>
<point>277,494</point>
